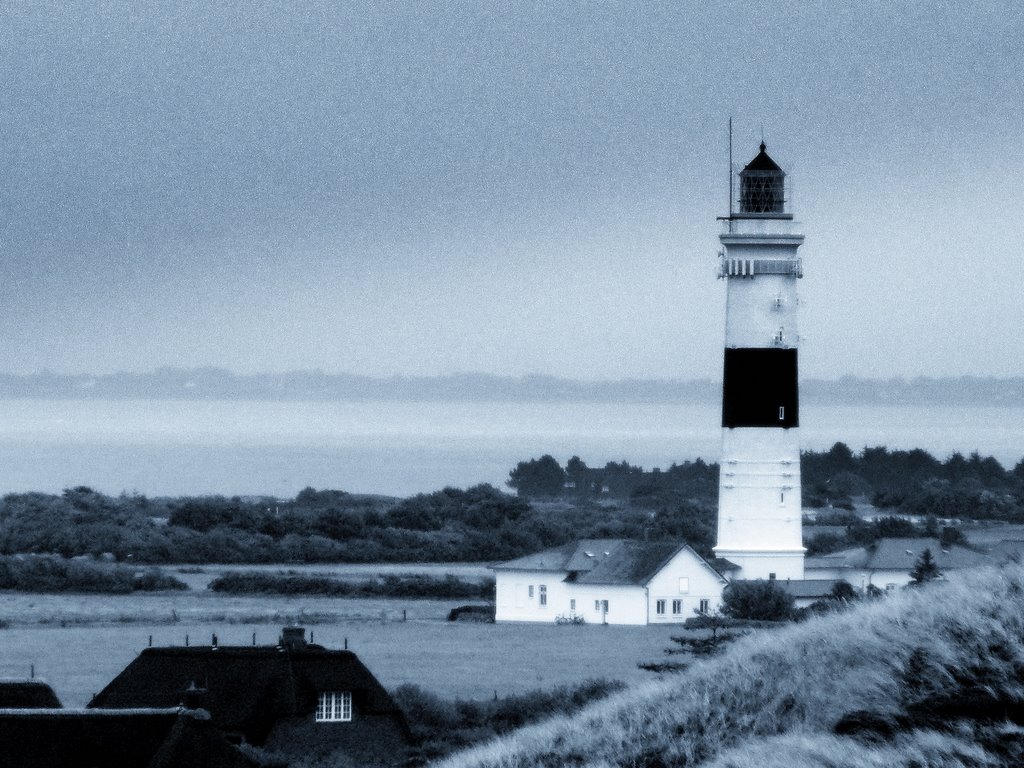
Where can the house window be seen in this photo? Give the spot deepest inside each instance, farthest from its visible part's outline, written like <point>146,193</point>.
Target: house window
<point>572,604</point>
<point>705,606</point>
<point>684,585</point>
<point>543,594</point>
<point>677,607</point>
<point>601,605</point>
<point>529,591</point>
<point>771,576</point>
<point>334,707</point>
<point>659,607</point>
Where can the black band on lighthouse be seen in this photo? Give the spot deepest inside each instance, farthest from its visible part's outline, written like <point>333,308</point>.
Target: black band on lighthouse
<point>760,388</point>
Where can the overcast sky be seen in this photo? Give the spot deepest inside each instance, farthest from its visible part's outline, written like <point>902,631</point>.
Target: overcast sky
<point>510,188</point>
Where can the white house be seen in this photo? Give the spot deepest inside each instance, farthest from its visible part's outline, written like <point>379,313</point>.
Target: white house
<point>613,581</point>
<point>887,563</point>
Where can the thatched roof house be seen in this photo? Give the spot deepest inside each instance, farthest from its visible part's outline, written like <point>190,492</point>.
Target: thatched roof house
<point>294,698</point>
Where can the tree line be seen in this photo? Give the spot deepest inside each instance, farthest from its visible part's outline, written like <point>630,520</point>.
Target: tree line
<point>552,506</point>
<point>474,524</point>
<point>907,482</point>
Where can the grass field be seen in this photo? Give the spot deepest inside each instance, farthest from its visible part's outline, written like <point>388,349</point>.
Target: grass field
<point>19,609</point>
<point>78,643</point>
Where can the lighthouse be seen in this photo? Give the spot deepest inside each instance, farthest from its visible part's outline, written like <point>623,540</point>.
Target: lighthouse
<point>759,526</point>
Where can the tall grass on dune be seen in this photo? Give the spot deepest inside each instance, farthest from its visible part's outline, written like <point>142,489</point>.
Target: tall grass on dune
<point>931,676</point>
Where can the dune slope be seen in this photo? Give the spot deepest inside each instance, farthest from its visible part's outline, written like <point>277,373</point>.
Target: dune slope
<point>933,676</point>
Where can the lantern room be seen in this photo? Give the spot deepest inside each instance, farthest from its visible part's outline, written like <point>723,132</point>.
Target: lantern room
<point>762,186</point>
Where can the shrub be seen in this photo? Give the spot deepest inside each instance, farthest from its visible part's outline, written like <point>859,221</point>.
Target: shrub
<point>824,543</point>
<point>481,613</point>
<point>573,619</point>
<point>760,600</point>
<point>391,585</point>
<point>49,573</point>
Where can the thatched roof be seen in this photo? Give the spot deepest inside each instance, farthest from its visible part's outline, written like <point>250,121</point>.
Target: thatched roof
<point>27,694</point>
<point>245,689</point>
<point>127,738</point>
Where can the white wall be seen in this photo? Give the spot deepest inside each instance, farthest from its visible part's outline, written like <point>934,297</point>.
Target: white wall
<point>626,604</point>
<point>513,601</point>
<point>700,584</point>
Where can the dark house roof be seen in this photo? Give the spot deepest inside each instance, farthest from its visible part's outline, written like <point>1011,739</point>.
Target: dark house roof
<point>603,561</point>
<point>246,689</point>
<point>901,555</point>
<point>27,694</point>
<point>635,562</point>
<point>580,555</point>
<point>128,738</point>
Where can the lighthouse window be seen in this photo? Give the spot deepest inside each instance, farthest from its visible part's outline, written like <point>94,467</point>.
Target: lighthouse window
<point>782,497</point>
<point>782,413</point>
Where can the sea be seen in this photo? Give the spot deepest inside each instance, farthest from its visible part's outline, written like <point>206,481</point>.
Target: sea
<point>258,448</point>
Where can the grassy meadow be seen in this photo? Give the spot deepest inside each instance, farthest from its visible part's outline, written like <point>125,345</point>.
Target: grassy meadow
<point>932,677</point>
<point>78,642</point>
<point>459,660</point>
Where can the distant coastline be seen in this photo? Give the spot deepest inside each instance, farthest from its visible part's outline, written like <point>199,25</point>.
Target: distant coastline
<point>220,384</point>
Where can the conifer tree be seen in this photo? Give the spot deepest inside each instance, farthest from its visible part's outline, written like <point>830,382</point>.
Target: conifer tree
<point>925,569</point>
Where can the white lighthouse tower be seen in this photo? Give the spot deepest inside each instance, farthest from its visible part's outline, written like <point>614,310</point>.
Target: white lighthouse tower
<point>759,527</point>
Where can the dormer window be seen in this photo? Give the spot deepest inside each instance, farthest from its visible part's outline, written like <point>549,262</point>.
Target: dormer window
<point>334,707</point>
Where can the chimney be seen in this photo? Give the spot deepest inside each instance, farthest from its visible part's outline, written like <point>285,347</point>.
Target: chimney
<point>195,697</point>
<point>292,638</point>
